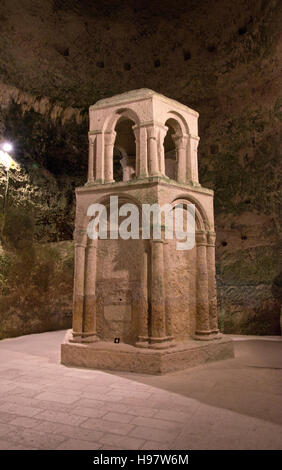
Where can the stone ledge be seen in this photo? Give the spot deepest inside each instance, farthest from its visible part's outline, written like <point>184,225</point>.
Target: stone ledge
<point>124,357</point>
<point>148,181</point>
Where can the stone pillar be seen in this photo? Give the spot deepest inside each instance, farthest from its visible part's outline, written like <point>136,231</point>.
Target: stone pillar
<point>99,170</point>
<point>158,337</point>
<point>192,159</point>
<point>136,131</point>
<point>203,331</point>
<point>143,333</point>
<point>141,151</point>
<point>78,291</point>
<point>153,151</point>
<point>212,284</point>
<point>162,133</point>
<point>91,159</point>
<point>181,149</point>
<point>109,158</point>
<point>89,334</point>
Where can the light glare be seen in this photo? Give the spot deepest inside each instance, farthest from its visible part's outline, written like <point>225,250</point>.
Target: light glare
<point>7,147</point>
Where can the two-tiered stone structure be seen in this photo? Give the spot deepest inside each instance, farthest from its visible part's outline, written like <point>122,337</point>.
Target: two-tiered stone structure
<point>159,302</point>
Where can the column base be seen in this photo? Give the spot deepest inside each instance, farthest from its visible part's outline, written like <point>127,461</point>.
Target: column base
<point>217,334</point>
<point>208,335</point>
<point>81,337</point>
<point>75,337</point>
<point>91,337</point>
<point>90,182</point>
<point>124,357</point>
<point>161,343</point>
<point>94,183</point>
<point>195,183</point>
<point>142,177</point>
<point>142,342</point>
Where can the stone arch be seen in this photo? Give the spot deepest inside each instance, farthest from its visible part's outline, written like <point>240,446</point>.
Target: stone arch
<point>179,119</point>
<point>202,222</point>
<point>125,118</point>
<point>126,113</point>
<point>105,201</point>
<point>123,198</point>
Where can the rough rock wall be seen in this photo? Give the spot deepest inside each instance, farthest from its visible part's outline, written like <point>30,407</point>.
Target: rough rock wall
<point>36,255</point>
<point>222,58</point>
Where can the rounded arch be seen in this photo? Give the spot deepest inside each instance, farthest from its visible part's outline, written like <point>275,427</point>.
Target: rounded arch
<point>174,126</point>
<point>179,119</point>
<point>202,221</point>
<point>125,113</point>
<point>122,199</point>
<point>105,201</point>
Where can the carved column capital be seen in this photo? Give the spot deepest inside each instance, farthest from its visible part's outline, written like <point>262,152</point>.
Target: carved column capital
<point>110,138</point>
<point>151,132</point>
<point>136,131</point>
<point>194,139</point>
<point>91,138</point>
<point>211,238</point>
<point>80,237</point>
<point>180,140</point>
<point>91,244</point>
<point>201,238</point>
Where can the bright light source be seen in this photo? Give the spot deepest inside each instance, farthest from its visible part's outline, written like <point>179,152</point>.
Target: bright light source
<point>6,160</point>
<point>7,147</point>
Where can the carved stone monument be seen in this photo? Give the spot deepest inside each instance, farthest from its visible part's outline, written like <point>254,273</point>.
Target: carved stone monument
<point>140,304</point>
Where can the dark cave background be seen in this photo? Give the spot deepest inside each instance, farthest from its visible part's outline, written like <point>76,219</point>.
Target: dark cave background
<point>220,57</point>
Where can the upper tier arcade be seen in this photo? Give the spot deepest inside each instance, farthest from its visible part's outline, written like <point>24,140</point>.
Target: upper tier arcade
<point>140,134</point>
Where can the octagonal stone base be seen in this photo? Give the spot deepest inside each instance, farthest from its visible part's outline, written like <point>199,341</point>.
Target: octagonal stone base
<point>124,357</point>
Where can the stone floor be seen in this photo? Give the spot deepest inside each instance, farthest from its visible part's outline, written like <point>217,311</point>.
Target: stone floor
<point>231,404</point>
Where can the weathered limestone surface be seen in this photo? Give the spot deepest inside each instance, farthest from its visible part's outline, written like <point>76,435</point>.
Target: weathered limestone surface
<point>143,292</point>
<point>125,357</point>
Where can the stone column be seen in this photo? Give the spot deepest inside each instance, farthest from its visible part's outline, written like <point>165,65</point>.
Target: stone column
<point>78,291</point>
<point>143,333</point>
<point>181,149</point>
<point>91,159</point>
<point>162,133</point>
<point>192,159</point>
<point>158,337</point>
<point>109,156</point>
<point>141,151</point>
<point>212,284</point>
<point>153,151</point>
<point>89,334</point>
<point>99,170</point>
<point>136,131</point>
<point>203,331</point>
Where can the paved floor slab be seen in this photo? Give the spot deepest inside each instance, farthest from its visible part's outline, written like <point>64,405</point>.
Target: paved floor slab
<point>231,404</point>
